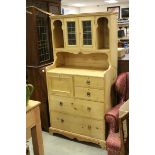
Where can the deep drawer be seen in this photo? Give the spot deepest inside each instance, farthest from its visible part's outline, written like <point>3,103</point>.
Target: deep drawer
<point>77,107</point>
<point>80,125</point>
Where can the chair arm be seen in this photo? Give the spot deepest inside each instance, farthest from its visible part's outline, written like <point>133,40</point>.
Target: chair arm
<point>124,116</point>
<point>111,117</point>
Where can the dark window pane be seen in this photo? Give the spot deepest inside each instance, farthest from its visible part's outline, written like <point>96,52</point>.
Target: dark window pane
<point>43,40</point>
<point>71,33</point>
<point>87,36</point>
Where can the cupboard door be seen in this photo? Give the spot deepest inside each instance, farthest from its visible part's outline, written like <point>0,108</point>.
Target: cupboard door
<point>87,39</point>
<point>71,33</point>
<point>60,85</point>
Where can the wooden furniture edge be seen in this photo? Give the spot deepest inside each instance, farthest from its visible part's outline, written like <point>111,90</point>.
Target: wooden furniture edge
<point>124,109</point>
<point>83,15</point>
<point>31,105</point>
<point>78,136</point>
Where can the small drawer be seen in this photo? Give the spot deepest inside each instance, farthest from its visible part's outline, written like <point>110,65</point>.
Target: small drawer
<point>89,94</point>
<point>91,82</point>
<point>59,84</point>
<point>79,125</point>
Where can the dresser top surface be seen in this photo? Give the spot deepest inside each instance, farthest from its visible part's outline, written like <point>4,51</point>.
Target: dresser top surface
<point>84,15</point>
<point>78,71</point>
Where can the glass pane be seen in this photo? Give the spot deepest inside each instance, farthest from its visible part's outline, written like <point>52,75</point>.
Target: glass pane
<point>87,35</point>
<point>71,33</point>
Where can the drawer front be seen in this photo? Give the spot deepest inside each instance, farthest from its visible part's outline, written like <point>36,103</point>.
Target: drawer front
<point>90,82</point>
<point>77,107</point>
<point>60,85</point>
<point>79,125</point>
<point>89,94</point>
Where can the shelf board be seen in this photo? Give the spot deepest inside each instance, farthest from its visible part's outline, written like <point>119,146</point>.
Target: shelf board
<point>78,71</point>
<point>124,38</point>
<point>81,50</point>
<point>123,24</point>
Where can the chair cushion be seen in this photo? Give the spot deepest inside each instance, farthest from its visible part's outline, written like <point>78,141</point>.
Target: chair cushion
<point>113,142</point>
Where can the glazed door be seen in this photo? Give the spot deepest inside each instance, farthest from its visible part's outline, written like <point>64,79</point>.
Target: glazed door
<point>87,39</point>
<point>71,33</point>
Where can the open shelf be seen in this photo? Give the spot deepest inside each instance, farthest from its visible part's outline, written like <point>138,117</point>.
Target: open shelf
<point>98,61</point>
<point>58,34</point>
<point>102,33</point>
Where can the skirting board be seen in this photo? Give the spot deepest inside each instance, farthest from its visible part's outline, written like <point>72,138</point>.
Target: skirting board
<point>77,136</point>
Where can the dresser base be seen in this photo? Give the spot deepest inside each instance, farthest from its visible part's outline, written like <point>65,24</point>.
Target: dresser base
<point>78,136</point>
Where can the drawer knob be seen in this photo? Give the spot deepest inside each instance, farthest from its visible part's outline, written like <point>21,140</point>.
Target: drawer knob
<point>75,108</point>
<point>88,108</point>
<point>61,103</point>
<point>88,94</point>
<point>62,120</point>
<point>88,82</point>
<point>89,127</point>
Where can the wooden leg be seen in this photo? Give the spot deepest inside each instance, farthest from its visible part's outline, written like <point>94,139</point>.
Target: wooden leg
<point>37,140</point>
<point>36,133</point>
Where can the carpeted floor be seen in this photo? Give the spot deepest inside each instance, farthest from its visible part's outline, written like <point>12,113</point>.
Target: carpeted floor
<point>59,145</point>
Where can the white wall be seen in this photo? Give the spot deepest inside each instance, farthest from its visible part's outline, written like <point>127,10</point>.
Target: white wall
<point>71,10</point>
<point>87,9</point>
<point>101,8</point>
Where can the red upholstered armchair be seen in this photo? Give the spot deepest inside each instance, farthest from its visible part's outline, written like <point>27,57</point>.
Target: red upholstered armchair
<point>114,142</point>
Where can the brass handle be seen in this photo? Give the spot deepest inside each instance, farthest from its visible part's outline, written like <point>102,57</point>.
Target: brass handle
<point>88,94</point>
<point>89,127</point>
<point>88,82</point>
<point>88,108</point>
<point>62,120</point>
<point>61,103</point>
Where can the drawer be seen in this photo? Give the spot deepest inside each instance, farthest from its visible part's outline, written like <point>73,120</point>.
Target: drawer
<point>79,125</point>
<point>92,82</point>
<point>77,107</point>
<point>89,94</point>
<point>59,84</point>
<point>60,103</point>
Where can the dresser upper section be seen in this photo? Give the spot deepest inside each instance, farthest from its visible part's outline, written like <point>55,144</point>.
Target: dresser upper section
<point>86,33</point>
